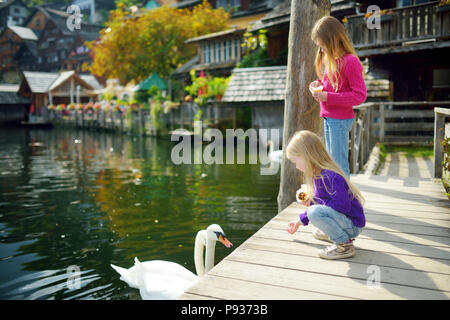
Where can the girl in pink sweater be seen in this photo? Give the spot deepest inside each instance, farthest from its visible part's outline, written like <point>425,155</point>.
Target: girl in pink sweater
<point>339,88</point>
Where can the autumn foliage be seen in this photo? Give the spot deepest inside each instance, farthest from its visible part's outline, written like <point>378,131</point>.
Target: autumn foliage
<point>132,46</point>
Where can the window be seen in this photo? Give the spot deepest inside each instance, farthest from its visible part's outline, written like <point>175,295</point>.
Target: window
<point>225,3</point>
<point>206,53</point>
<point>38,22</point>
<point>405,3</point>
<point>221,3</point>
<point>441,78</point>
<point>235,3</point>
<point>236,49</point>
<point>216,51</point>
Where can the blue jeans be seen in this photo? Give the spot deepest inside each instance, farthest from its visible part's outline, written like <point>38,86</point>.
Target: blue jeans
<point>337,226</point>
<point>336,138</point>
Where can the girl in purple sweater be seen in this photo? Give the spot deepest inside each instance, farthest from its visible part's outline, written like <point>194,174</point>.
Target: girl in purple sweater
<point>334,203</point>
<point>339,88</point>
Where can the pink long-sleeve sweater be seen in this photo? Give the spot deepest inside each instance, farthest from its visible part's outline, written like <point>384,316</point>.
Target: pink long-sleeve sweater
<point>351,91</point>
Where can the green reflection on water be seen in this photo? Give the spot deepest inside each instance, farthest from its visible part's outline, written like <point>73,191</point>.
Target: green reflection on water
<point>90,199</point>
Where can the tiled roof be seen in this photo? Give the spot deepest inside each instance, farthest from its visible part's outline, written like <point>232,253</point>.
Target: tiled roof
<point>256,84</point>
<point>39,81</point>
<point>216,35</point>
<point>279,15</point>
<point>24,33</point>
<point>63,76</point>
<point>8,95</point>
<point>42,82</point>
<point>91,80</point>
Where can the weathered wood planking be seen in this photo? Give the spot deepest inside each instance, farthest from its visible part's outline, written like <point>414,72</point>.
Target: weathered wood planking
<point>407,237</point>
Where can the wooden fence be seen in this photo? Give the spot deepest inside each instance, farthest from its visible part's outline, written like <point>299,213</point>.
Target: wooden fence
<point>440,132</point>
<point>389,122</point>
<point>141,122</point>
<point>421,22</point>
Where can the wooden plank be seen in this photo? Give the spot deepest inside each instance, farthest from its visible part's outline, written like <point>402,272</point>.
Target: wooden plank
<point>371,244</point>
<point>192,296</point>
<point>409,126</point>
<point>388,219</point>
<point>376,234</point>
<point>438,138</point>
<point>217,286</point>
<point>339,286</point>
<point>310,246</point>
<point>407,237</point>
<point>408,139</point>
<point>406,114</point>
<point>432,281</point>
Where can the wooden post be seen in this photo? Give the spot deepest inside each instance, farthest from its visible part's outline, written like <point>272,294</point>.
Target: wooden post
<point>381,128</point>
<point>439,122</point>
<point>301,111</point>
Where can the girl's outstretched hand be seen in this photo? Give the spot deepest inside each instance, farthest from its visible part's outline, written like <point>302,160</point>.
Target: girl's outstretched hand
<point>293,226</point>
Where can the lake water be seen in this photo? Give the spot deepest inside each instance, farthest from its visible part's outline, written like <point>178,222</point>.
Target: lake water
<point>74,200</point>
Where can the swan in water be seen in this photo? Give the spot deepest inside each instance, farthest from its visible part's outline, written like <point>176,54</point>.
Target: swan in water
<point>165,280</point>
<point>274,155</point>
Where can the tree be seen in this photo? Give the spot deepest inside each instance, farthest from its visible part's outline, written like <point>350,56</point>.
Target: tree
<point>133,46</point>
<point>301,111</point>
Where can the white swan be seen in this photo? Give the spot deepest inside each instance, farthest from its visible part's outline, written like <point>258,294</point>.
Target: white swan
<point>274,155</point>
<point>165,280</point>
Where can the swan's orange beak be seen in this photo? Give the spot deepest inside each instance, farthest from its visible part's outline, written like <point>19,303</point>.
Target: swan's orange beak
<point>225,241</point>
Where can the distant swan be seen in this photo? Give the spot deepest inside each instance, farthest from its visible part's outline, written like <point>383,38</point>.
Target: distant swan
<point>274,155</point>
<point>165,280</point>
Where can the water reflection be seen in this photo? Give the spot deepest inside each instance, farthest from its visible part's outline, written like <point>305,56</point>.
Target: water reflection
<point>90,199</point>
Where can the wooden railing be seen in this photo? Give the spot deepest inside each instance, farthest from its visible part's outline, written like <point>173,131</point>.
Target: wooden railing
<point>395,120</point>
<point>360,136</point>
<point>439,135</point>
<point>412,23</point>
<point>141,122</point>
<point>385,122</point>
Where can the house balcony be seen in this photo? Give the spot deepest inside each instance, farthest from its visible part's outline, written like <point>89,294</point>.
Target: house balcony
<point>424,26</point>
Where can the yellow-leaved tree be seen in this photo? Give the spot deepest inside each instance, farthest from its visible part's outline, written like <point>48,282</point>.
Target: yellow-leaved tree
<point>132,46</point>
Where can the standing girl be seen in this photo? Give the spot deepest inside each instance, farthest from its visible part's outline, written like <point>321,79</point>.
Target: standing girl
<point>342,84</point>
<point>334,203</point>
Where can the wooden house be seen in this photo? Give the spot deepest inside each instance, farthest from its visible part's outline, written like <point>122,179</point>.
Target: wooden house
<point>44,88</point>
<point>11,40</point>
<point>12,13</point>
<point>411,47</point>
<point>13,107</point>
<point>219,52</point>
<point>56,41</point>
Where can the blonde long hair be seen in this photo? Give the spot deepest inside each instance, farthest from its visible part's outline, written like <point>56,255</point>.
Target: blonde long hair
<point>307,144</point>
<point>330,33</point>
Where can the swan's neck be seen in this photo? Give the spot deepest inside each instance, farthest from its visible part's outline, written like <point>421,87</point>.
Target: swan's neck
<point>209,258</point>
<point>198,252</point>
<point>203,266</point>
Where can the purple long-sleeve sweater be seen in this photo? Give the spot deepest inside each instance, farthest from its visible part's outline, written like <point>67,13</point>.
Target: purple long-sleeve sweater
<point>351,91</point>
<point>338,198</point>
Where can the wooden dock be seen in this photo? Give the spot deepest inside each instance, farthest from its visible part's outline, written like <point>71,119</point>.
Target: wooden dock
<point>406,242</point>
